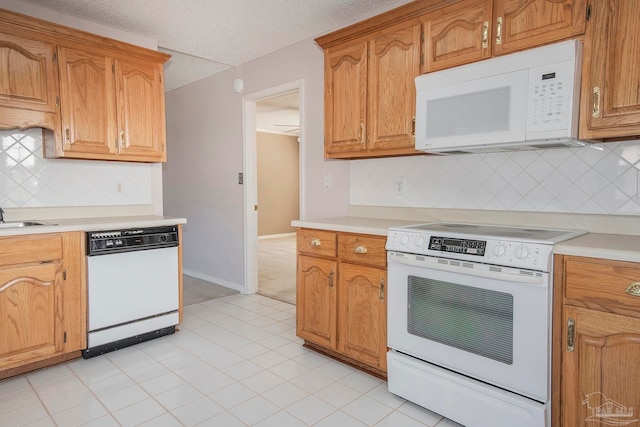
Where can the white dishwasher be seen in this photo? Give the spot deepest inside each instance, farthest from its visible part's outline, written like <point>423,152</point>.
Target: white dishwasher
<point>133,287</point>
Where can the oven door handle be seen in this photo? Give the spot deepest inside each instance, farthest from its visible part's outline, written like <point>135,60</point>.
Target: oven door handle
<point>497,275</point>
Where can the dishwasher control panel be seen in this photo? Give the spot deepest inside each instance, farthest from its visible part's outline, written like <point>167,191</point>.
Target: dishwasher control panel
<point>133,239</point>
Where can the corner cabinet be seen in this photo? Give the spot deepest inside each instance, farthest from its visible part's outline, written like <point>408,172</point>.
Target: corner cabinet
<point>103,99</point>
<point>610,99</point>
<point>598,375</point>
<point>341,296</point>
<point>42,300</point>
<point>369,96</point>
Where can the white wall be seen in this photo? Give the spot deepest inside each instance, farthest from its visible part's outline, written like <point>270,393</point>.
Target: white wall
<point>205,141</point>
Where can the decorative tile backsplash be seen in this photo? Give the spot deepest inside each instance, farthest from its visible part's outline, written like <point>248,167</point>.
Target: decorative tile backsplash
<point>29,180</point>
<point>600,180</point>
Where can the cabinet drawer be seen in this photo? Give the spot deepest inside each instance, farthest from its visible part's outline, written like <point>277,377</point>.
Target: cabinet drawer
<point>362,249</point>
<point>30,248</point>
<point>602,284</point>
<point>316,242</point>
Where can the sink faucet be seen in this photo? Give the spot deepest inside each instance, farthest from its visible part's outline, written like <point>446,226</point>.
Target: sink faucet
<point>1,215</point>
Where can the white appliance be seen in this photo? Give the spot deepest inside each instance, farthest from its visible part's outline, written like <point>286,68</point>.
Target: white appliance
<point>469,320</point>
<point>525,100</point>
<point>133,287</point>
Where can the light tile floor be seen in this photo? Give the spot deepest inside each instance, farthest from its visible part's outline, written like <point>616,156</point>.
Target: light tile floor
<point>235,362</point>
<point>277,268</point>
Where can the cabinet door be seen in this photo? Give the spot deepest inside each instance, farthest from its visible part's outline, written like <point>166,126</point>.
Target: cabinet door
<point>394,63</point>
<point>140,100</point>
<point>345,99</point>
<point>610,100</point>
<point>87,104</point>
<point>316,301</point>
<point>362,314</point>
<point>521,24</point>
<point>30,308</point>
<point>601,376</point>
<point>27,74</point>
<point>458,34</point>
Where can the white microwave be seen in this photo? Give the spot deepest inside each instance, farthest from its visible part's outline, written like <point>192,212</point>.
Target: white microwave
<point>525,100</point>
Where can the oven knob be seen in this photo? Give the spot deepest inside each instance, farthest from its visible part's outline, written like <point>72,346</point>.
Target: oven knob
<point>419,241</point>
<point>521,252</point>
<point>499,250</point>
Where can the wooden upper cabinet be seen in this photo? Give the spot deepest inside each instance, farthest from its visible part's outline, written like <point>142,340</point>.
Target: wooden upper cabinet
<point>345,98</point>
<point>458,34</point>
<point>87,89</point>
<point>521,24</point>
<point>394,63</point>
<point>610,99</point>
<point>28,82</point>
<point>103,99</point>
<point>140,101</point>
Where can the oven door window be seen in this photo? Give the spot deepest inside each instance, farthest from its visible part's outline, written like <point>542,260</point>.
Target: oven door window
<point>476,320</point>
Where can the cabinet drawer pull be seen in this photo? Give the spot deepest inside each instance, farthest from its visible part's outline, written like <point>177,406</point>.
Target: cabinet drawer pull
<point>499,31</point>
<point>571,329</point>
<point>360,249</point>
<point>634,289</point>
<point>595,113</point>
<point>485,35</point>
<point>314,242</point>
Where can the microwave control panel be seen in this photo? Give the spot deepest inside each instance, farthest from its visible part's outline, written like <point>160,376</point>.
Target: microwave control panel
<point>550,99</point>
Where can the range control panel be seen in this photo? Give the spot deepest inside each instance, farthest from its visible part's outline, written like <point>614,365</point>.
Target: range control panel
<point>461,246</point>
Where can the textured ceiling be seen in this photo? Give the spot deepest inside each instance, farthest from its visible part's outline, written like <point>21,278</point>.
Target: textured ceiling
<point>209,36</point>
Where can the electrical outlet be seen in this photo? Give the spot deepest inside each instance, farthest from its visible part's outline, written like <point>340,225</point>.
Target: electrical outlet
<point>327,180</point>
<point>399,186</point>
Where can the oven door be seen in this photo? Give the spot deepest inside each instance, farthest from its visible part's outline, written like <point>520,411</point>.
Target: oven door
<point>487,322</point>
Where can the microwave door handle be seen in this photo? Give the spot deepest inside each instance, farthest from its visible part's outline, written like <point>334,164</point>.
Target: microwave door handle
<point>464,270</point>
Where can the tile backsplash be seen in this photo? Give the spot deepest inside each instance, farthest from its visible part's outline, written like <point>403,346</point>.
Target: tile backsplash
<point>600,180</point>
<point>29,180</point>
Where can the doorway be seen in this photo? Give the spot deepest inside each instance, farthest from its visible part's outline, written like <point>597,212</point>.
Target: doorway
<point>274,143</point>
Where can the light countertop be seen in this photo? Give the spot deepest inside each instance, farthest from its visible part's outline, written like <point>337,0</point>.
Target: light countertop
<point>351,224</point>
<point>595,245</point>
<point>93,224</point>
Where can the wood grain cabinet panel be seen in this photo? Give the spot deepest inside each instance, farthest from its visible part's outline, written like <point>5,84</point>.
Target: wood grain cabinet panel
<point>458,34</point>
<point>610,100</point>
<point>341,297</point>
<point>316,300</point>
<point>42,300</point>
<point>528,23</point>
<point>596,346</point>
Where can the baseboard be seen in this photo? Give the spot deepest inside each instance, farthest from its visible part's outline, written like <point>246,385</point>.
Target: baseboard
<point>216,280</point>
<point>275,236</point>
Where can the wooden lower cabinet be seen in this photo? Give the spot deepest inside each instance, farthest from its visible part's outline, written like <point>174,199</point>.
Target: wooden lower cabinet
<point>341,296</point>
<point>42,300</point>
<point>597,353</point>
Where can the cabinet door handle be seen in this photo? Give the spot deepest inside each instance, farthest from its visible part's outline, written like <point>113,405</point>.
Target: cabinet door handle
<point>122,139</point>
<point>499,31</point>
<point>360,249</point>
<point>413,126</point>
<point>571,330</point>
<point>485,35</point>
<point>361,133</point>
<point>633,289</point>
<point>595,113</point>
<point>314,242</point>
<point>381,289</point>
<point>330,279</point>
<point>67,134</point>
